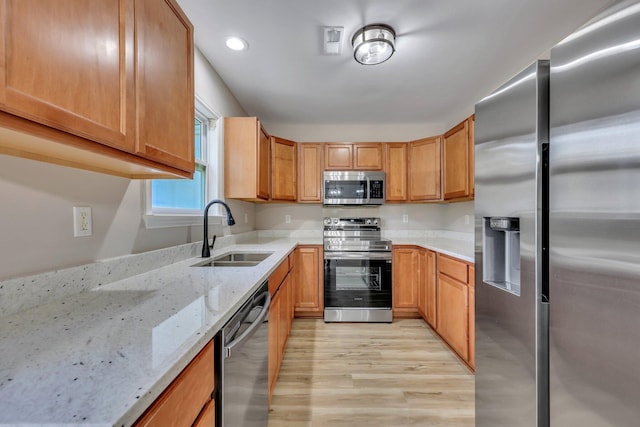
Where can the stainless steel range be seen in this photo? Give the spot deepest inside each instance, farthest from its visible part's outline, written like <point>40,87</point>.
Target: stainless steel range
<point>357,271</point>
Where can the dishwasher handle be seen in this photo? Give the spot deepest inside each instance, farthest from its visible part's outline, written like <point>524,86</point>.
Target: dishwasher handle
<point>239,342</point>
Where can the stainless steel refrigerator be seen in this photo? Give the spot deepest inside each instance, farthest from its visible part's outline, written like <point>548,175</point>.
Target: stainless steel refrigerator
<point>557,205</point>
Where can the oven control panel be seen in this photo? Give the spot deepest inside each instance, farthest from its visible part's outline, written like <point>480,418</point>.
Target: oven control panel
<point>351,222</point>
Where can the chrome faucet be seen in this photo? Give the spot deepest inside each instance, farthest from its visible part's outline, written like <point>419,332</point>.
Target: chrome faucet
<point>230,221</point>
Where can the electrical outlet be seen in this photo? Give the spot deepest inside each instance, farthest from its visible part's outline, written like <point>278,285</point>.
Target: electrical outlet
<point>466,219</point>
<point>82,221</point>
<point>246,218</point>
<point>405,218</point>
<point>287,219</point>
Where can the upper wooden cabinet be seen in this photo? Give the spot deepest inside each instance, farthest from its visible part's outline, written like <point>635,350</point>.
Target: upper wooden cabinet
<point>310,173</point>
<point>396,169</point>
<point>338,156</point>
<point>283,169</point>
<point>472,155</point>
<point>456,161</point>
<point>85,84</point>
<point>164,83</point>
<point>424,169</point>
<point>246,159</point>
<point>358,156</point>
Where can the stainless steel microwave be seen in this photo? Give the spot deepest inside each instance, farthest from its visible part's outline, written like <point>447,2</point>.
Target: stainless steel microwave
<point>353,188</point>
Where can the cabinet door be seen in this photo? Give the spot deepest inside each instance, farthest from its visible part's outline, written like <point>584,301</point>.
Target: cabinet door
<point>396,172</point>
<point>367,156</point>
<point>405,279</point>
<point>274,341</point>
<point>180,404</point>
<point>472,155</point>
<point>310,173</point>
<point>453,319</point>
<point>424,169</point>
<point>246,159</point>
<point>472,318</point>
<point>207,416</point>
<point>309,298</point>
<point>164,83</point>
<point>431,288</point>
<point>283,169</point>
<point>283,327</point>
<point>422,283</point>
<point>69,65</point>
<point>264,173</point>
<point>456,162</point>
<point>338,156</point>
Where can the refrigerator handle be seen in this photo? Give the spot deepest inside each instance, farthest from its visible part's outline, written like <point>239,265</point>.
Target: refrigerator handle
<point>545,224</point>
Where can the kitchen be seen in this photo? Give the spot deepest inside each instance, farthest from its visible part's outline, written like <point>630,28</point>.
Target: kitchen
<point>37,221</point>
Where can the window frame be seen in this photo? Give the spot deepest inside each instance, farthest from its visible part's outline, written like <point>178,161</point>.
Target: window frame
<point>212,152</point>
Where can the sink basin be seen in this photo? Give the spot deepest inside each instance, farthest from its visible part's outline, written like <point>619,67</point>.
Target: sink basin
<point>235,259</point>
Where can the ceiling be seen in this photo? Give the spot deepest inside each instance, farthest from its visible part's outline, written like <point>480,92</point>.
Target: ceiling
<point>449,54</point>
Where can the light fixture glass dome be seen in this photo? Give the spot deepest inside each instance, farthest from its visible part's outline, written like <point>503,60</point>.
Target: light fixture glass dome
<point>374,44</point>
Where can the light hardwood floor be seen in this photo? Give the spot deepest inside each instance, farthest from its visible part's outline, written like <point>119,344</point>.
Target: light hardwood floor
<point>369,374</point>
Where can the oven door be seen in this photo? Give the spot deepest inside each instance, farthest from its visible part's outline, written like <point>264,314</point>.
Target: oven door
<point>357,280</point>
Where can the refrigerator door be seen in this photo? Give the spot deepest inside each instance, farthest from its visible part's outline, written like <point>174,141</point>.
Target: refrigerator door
<point>595,224</point>
<point>511,128</point>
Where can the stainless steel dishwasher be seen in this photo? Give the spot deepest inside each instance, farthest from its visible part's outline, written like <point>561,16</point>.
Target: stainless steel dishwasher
<point>245,363</point>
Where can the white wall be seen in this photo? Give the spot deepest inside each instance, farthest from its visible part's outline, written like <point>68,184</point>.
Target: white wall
<point>36,228</point>
<point>420,216</point>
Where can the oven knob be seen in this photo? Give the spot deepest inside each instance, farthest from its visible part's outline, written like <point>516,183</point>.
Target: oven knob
<point>368,222</point>
<point>375,222</point>
<point>327,221</point>
<point>335,220</point>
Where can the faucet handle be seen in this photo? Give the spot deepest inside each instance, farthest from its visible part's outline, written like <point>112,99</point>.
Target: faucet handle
<point>213,242</point>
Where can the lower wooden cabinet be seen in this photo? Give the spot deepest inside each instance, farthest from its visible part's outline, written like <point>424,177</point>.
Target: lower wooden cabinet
<point>280,317</point>
<point>406,277</point>
<point>186,397</point>
<point>456,306</point>
<point>309,289</point>
<point>472,318</point>
<point>207,417</point>
<point>453,321</point>
<point>441,290</point>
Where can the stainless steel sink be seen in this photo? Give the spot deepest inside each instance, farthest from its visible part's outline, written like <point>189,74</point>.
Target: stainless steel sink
<point>235,259</point>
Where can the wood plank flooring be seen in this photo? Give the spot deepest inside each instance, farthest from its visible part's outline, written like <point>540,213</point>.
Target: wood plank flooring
<point>370,374</point>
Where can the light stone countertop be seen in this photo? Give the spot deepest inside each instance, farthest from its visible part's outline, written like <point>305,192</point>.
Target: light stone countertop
<point>460,249</point>
<point>102,356</point>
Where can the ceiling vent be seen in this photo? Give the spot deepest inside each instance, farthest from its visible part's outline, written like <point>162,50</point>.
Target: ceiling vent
<point>333,40</point>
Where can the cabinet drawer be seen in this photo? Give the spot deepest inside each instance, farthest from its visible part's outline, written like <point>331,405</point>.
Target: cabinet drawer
<point>453,268</point>
<point>180,404</point>
<point>208,416</point>
<point>278,276</point>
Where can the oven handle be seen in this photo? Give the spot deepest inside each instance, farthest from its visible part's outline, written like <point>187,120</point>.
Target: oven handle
<point>358,255</point>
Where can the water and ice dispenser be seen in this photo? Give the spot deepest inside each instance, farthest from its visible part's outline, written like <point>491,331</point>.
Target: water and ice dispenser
<point>501,248</point>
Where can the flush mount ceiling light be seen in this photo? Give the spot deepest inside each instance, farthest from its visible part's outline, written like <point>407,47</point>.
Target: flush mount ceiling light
<point>374,44</point>
<point>236,43</point>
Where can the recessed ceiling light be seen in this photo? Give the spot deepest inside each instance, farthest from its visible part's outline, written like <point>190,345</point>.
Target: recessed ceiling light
<point>236,43</point>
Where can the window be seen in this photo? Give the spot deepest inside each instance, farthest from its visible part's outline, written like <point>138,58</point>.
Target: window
<point>180,202</point>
